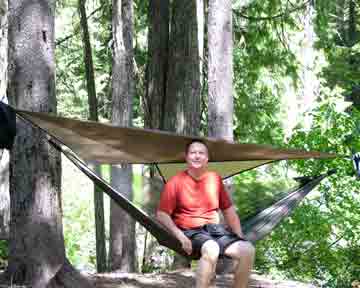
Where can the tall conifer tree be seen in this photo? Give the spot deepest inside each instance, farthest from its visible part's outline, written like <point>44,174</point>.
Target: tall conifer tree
<point>220,70</point>
<point>37,252</point>
<point>122,254</point>
<point>183,94</point>
<point>220,74</point>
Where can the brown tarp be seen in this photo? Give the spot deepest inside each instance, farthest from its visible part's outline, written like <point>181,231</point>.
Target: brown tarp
<point>109,144</point>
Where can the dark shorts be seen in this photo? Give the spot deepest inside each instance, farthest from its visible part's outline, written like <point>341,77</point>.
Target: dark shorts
<point>216,232</point>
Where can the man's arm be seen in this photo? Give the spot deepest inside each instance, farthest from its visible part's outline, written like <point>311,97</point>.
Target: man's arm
<point>166,220</point>
<point>232,219</point>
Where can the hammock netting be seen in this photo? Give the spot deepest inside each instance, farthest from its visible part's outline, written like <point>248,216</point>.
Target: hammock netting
<point>82,141</point>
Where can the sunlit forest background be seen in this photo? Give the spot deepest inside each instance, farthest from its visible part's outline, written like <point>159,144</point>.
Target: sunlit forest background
<point>296,83</point>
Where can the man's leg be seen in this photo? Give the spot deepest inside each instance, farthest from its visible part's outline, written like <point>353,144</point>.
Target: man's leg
<point>244,253</point>
<point>206,266</point>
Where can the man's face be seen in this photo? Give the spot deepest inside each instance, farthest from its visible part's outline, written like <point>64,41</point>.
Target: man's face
<point>197,156</point>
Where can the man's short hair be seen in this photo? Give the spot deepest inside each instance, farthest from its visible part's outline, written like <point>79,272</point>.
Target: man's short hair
<point>196,141</point>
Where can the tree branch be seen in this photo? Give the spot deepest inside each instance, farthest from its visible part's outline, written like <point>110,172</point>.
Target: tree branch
<point>281,15</point>
<point>77,29</point>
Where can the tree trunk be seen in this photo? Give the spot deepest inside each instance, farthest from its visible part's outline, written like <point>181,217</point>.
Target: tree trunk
<point>347,34</point>
<point>183,94</point>
<point>154,100</point>
<point>4,154</point>
<point>340,22</point>
<point>352,31</point>
<point>220,70</point>
<point>37,252</point>
<point>310,84</point>
<point>122,227</point>
<point>93,115</point>
<point>3,48</point>
<point>158,46</point>
<point>88,62</point>
<point>183,97</point>
<point>220,73</point>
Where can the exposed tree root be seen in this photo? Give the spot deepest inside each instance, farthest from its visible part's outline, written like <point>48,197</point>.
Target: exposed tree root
<point>66,277</point>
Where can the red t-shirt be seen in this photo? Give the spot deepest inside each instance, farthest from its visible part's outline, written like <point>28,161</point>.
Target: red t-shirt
<point>193,203</point>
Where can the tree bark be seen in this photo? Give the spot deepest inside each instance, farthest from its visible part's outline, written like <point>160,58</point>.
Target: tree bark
<point>88,62</point>
<point>154,100</point>
<point>93,115</point>
<point>220,70</point>
<point>4,154</point>
<point>352,31</point>
<point>220,73</point>
<point>309,85</point>
<point>340,22</point>
<point>347,34</point>
<point>183,96</point>
<point>37,252</point>
<point>122,227</point>
<point>156,72</point>
<point>3,48</point>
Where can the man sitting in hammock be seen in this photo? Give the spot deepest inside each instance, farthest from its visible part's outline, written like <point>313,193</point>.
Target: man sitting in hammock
<point>189,206</point>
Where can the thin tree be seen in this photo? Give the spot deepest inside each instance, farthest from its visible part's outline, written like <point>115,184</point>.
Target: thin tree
<point>93,115</point>
<point>346,22</point>
<point>37,251</point>
<point>4,154</point>
<point>347,35</point>
<point>122,226</point>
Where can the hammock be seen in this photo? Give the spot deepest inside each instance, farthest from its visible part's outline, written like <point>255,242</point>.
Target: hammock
<point>254,228</point>
<point>114,145</point>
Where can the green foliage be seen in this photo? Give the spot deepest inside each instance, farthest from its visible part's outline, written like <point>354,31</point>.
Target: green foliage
<point>4,253</point>
<point>343,69</point>
<point>78,217</point>
<point>262,63</point>
<point>257,189</point>
<point>338,36</point>
<point>71,86</point>
<point>140,55</point>
<point>317,242</point>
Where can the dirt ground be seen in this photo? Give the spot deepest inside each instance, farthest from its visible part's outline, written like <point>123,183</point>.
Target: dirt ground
<point>183,279</point>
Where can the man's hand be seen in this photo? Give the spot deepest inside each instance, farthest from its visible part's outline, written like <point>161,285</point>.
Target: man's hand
<point>166,220</point>
<point>232,219</point>
<point>186,244</point>
<point>241,235</point>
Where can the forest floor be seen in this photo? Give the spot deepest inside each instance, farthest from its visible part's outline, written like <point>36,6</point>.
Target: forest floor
<point>184,279</point>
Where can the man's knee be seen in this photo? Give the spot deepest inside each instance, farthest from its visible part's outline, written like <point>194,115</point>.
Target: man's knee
<point>240,249</point>
<point>210,251</point>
